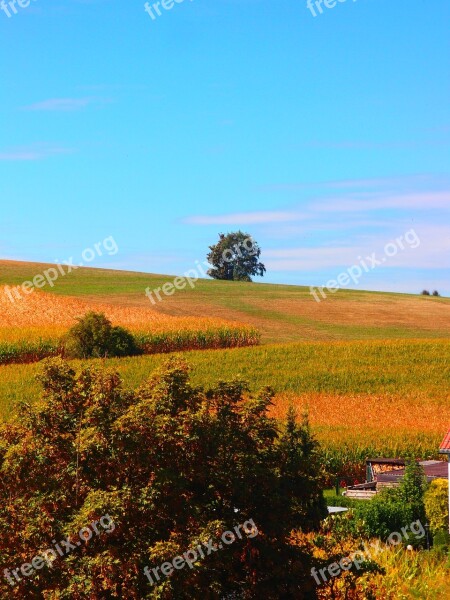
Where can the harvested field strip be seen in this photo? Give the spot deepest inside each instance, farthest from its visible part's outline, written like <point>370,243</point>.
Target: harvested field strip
<point>40,313</point>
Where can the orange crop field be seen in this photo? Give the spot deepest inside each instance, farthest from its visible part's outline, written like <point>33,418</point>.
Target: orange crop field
<point>31,328</point>
<point>44,314</point>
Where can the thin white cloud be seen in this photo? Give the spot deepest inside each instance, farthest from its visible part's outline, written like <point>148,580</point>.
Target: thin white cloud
<point>248,218</point>
<point>369,145</point>
<point>370,202</point>
<point>112,87</point>
<point>432,252</point>
<point>357,205</point>
<point>33,152</point>
<point>64,104</point>
<point>402,183</point>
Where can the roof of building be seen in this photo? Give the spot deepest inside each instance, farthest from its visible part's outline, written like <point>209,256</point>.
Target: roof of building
<point>386,461</point>
<point>445,446</point>
<point>434,469</point>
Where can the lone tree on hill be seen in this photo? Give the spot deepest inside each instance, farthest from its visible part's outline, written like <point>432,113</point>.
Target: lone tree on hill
<point>235,257</point>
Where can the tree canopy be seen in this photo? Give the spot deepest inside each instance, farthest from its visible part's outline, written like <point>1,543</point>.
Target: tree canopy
<point>235,257</point>
<point>169,465</point>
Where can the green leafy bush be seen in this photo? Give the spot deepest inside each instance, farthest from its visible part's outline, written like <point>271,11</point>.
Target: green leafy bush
<point>95,337</point>
<point>441,540</point>
<point>394,508</point>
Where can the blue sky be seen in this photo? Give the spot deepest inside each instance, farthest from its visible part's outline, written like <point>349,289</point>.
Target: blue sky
<point>325,137</point>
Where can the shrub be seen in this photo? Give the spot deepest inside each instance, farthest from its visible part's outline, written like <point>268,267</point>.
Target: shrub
<point>436,293</point>
<point>425,293</point>
<point>436,505</point>
<point>122,343</point>
<point>394,508</point>
<point>441,540</point>
<point>95,337</point>
<point>384,514</point>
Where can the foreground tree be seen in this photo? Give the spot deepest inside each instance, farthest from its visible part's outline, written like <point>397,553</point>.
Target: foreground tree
<point>131,480</point>
<point>235,257</point>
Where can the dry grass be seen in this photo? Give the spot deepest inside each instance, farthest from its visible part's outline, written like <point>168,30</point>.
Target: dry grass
<point>371,310</point>
<point>41,314</point>
<point>412,575</point>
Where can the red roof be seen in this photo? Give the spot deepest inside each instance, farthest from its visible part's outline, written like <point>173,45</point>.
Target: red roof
<point>445,446</point>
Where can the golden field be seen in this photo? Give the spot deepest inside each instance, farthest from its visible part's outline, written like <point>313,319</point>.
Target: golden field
<point>282,313</point>
<point>42,314</point>
<point>31,328</point>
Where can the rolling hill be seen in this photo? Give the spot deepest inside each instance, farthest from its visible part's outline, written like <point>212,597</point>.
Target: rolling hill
<point>282,313</point>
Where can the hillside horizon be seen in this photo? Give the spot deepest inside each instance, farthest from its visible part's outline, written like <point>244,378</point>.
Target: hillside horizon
<point>282,312</point>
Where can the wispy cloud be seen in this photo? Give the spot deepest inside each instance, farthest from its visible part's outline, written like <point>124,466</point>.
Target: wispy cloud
<point>33,152</point>
<point>433,252</point>
<point>248,218</point>
<point>112,87</point>
<point>420,201</point>
<point>374,145</point>
<point>406,182</point>
<point>65,104</point>
<point>355,204</point>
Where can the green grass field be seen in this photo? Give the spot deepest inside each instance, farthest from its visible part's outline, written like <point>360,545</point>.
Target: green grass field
<point>410,368</point>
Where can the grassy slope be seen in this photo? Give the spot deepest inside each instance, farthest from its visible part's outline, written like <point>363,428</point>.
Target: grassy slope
<point>282,313</point>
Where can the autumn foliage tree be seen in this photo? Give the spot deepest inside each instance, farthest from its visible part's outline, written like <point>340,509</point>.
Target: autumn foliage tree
<point>171,465</point>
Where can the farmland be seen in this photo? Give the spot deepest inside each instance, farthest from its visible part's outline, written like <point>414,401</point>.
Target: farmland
<point>282,313</point>
<point>372,370</point>
<point>362,397</point>
<point>31,327</point>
